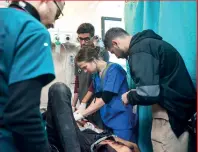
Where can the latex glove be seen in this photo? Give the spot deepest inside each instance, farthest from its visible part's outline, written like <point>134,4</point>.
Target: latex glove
<point>125,99</point>
<point>82,107</point>
<point>78,116</point>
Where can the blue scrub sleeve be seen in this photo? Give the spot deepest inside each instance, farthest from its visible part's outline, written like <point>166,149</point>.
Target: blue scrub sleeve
<point>33,57</point>
<point>114,79</point>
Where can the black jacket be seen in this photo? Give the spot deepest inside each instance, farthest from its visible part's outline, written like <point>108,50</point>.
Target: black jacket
<point>160,75</point>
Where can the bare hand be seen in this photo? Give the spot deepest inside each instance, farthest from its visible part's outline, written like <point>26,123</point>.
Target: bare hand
<point>124,98</point>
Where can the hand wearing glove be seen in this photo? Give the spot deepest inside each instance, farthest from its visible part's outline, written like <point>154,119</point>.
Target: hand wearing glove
<point>82,107</point>
<point>78,116</point>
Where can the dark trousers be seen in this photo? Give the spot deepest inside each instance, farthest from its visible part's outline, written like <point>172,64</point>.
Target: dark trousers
<point>63,132</point>
<point>62,129</point>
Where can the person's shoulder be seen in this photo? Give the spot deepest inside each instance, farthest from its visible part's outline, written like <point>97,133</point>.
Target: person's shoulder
<point>115,66</point>
<point>24,20</point>
<point>146,46</point>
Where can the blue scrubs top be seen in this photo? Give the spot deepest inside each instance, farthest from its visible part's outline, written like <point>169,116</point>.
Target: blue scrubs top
<point>25,53</point>
<point>114,114</point>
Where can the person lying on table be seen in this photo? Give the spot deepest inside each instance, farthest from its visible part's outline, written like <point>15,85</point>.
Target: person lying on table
<point>67,135</point>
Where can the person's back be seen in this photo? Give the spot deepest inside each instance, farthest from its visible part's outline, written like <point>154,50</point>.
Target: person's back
<point>176,87</point>
<point>25,53</point>
<point>175,96</point>
<point>159,68</point>
<point>116,105</point>
<point>114,114</point>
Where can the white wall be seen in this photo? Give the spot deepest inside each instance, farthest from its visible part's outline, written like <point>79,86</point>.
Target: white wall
<point>77,12</point>
<point>64,69</point>
<point>3,4</point>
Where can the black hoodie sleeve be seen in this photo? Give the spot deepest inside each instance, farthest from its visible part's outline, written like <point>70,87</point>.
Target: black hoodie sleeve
<point>22,116</point>
<point>145,71</point>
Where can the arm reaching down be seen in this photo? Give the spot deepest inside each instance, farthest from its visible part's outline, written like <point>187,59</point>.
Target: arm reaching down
<point>86,98</point>
<point>146,75</point>
<point>89,94</point>
<point>128,144</point>
<point>93,107</point>
<point>74,102</point>
<point>101,99</point>
<point>75,99</point>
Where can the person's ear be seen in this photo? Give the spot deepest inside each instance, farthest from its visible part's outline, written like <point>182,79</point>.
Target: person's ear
<point>114,43</point>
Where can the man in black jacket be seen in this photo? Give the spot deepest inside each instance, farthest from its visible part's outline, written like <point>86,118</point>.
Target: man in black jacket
<point>162,81</point>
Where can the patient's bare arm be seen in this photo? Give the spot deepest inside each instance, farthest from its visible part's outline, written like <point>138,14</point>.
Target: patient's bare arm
<point>128,144</point>
<point>118,147</point>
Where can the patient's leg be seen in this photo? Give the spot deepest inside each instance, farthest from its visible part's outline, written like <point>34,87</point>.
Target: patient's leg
<point>61,126</point>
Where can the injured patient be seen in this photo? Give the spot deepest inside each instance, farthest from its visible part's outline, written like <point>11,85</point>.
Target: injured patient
<point>67,135</point>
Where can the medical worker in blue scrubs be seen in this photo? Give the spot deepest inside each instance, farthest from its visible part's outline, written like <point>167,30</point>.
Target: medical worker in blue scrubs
<point>25,67</point>
<point>110,82</point>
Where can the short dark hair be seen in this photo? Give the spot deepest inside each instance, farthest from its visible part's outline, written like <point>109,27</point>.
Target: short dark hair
<point>113,33</point>
<point>86,28</point>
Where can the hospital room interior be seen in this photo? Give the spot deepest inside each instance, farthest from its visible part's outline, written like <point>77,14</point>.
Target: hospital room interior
<point>125,77</point>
